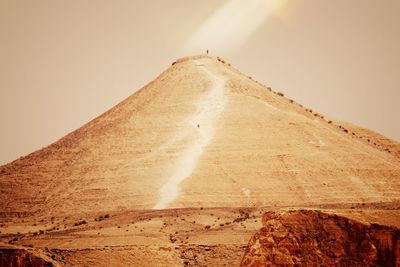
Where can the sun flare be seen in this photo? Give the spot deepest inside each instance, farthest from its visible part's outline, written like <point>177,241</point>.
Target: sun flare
<point>229,27</point>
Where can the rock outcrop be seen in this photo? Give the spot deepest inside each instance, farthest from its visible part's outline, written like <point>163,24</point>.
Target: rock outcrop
<point>15,257</point>
<point>309,237</point>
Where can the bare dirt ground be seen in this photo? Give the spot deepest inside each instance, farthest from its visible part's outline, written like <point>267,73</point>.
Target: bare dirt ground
<point>176,237</point>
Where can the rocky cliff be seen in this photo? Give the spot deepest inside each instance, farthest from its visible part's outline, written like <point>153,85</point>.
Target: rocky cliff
<point>310,237</point>
<point>22,257</point>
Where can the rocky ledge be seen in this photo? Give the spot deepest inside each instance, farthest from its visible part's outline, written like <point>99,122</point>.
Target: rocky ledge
<point>311,237</point>
<point>22,257</point>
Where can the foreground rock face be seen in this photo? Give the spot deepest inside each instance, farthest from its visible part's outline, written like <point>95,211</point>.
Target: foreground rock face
<point>304,237</point>
<point>12,257</point>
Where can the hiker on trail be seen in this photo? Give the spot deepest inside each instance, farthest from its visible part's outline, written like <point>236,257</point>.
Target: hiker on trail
<point>207,51</point>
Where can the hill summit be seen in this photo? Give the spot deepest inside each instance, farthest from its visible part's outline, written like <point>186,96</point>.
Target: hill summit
<point>201,135</point>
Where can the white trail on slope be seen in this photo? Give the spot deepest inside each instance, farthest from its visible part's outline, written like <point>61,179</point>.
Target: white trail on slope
<point>202,123</point>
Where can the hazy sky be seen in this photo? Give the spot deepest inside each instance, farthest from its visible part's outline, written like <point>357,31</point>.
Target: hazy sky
<point>62,63</point>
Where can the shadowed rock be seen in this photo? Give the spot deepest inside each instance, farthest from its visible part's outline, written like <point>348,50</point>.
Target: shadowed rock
<point>13,257</point>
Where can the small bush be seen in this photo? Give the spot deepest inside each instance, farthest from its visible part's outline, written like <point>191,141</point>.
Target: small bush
<point>221,60</point>
<point>80,222</point>
<point>172,238</point>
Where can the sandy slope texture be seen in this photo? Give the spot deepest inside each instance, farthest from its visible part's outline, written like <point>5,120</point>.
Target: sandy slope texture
<point>373,138</point>
<point>246,145</point>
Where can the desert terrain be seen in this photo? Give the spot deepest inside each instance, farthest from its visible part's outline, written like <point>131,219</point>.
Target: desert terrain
<point>184,173</point>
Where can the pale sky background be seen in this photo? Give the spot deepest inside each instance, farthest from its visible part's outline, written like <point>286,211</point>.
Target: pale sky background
<point>62,63</point>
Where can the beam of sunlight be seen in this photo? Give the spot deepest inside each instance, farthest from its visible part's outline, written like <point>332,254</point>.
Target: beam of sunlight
<point>230,26</point>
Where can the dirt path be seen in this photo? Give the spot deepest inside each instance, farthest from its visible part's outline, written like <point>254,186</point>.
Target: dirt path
<point>209,107</point>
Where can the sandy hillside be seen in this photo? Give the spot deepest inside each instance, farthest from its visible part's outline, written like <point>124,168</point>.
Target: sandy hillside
<point>185,168</point>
